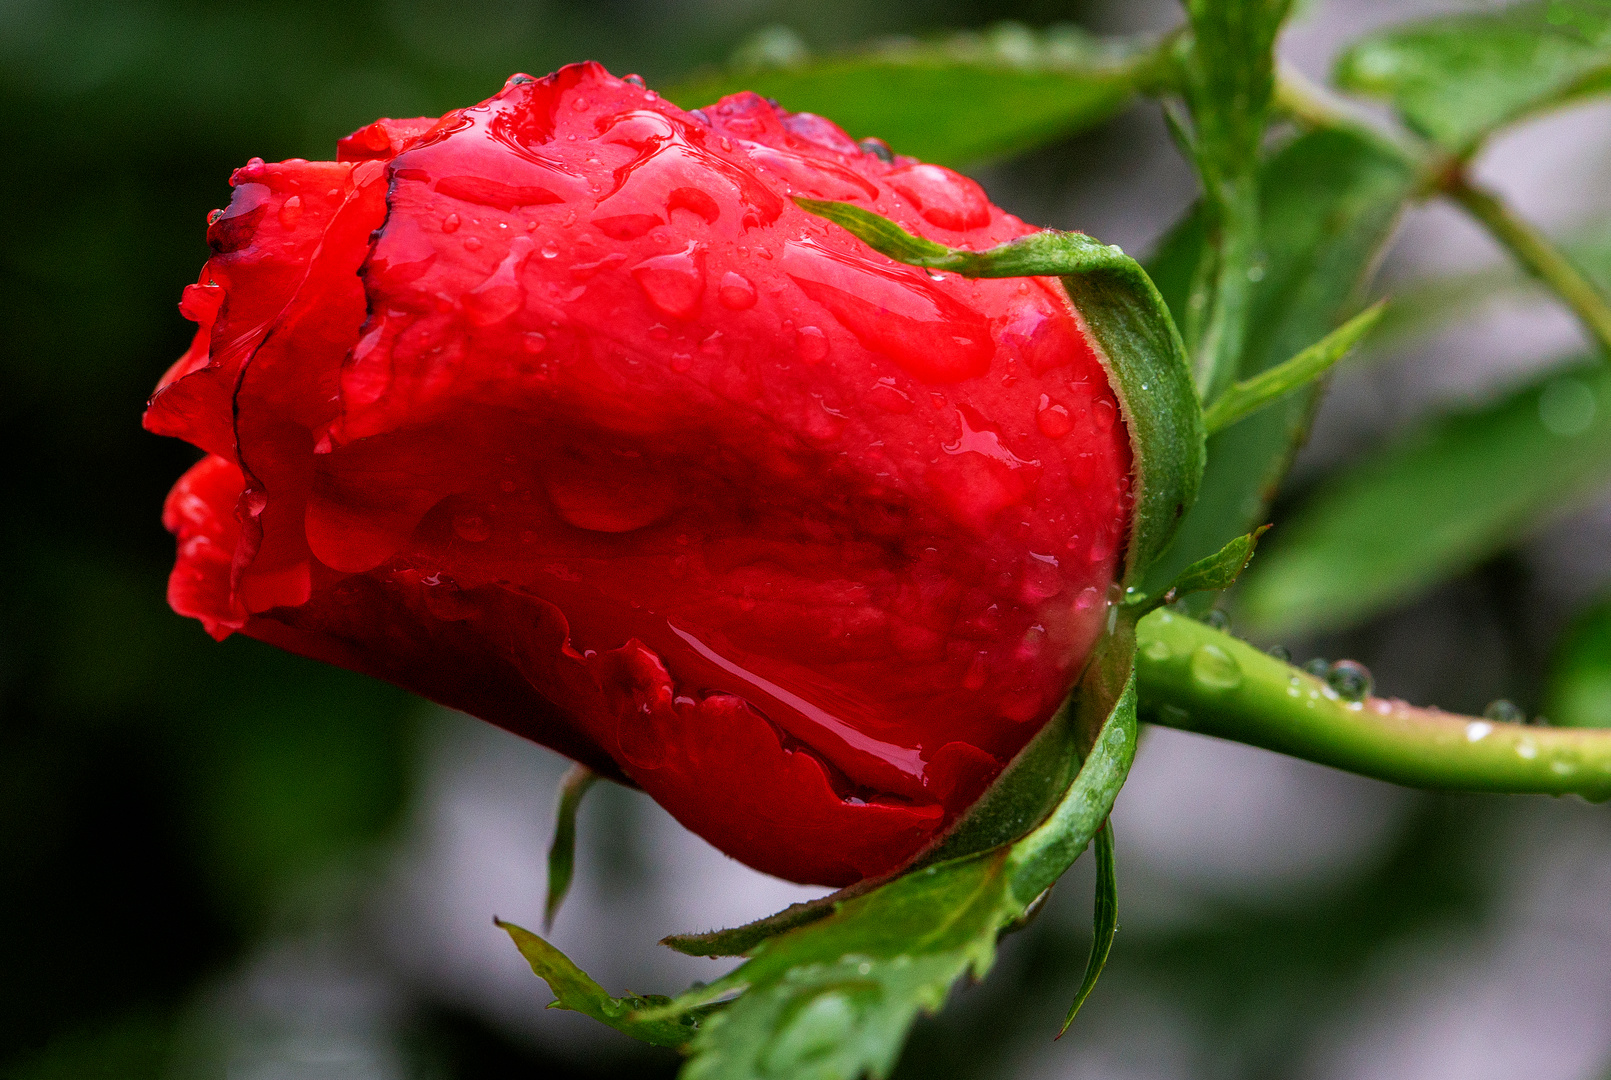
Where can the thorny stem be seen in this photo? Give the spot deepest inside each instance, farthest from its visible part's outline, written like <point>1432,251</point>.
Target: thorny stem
<point>1196,678</point>
<point>1535,252</point>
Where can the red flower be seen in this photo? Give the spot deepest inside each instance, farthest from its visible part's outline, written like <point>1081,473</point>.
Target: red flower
<point>559,411</point>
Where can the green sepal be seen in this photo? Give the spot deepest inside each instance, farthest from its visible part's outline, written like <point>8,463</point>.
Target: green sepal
<point>1104,921</point>
<point>1208,574</point>
<point>833,1000</point>
<point>562,851</point>
<point>1020,798</point>
<point>574,990</point>
<point>1328,204</point>
<point>1140,348</point>
<point>1251,395</point>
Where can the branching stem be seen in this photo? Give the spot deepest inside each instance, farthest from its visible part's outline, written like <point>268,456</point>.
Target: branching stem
<point>1196,678</point>
<point>1536,253</point>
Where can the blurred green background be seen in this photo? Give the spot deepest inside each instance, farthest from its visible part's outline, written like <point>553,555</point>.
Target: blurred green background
<point>200,844</point>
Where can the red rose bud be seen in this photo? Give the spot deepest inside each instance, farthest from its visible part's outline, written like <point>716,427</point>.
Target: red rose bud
<point>559,411</point>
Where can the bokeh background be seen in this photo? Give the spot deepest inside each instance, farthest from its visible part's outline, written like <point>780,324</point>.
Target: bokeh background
<point>220,861</point>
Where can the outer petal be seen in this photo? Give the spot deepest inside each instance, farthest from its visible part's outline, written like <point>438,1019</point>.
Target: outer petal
<point>200,512</point>
<point>634,457</point>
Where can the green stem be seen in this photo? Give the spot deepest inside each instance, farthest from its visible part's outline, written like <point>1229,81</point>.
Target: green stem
<point>1196,678</point>
<point>1535,252</point>
<point>1312,105</point>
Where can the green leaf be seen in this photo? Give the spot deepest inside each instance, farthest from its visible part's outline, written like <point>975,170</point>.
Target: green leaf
<point>562,852</point>
<point>1140,348</point>
<point>952,100</point>
<point>1251,395</point>
<point>574,990</point>
<point>1227,74</point>
<point>1457,78</point>
<point>1104,921</point>
<point>833,1000</point>
<point>1208,574</point>
<point>1578,693</point>
<point>1329,202</point>
<point>1435,503</point>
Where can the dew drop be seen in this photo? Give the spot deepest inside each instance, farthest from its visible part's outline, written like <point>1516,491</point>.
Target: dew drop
<point>1217,619</point>
<point>214,215</point>
<point>681,362</point>
<point>634,80</point>
<point>879,149</point>
<point>1319,667</point>
<point>1104,412</point>
<point>946,199</point>
<point>1053,419</point>
<point>291,211</point>
<point>533,342</point>
<point>674,284</point>
<point>1350,679</point>
<point>450,223</point>
<point>472,243</point>
<point>1504,711</point>
<point>550,250</point>
<point>811,343</point>
<point>814,1031</point>
<point>1215,669</point>
<point>1478,730</point>
<point>974,679</point>
<point>889,397</point>
<point>1281,653</point>
<point>735,292</point>
<point>1156,650</point>
<point>471,527</point>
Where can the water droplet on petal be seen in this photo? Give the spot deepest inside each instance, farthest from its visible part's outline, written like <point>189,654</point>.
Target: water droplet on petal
<point>291,211</point>
<point>472,243</point>
<point>735,292</point>
<point>1319,667</point>
<point>550,250</point>
<point>450,223</point>
<point>471,527</point>
<point>974,679</point>
<point>501,295</point>
<point>1053,419</point>
<point>889,397</point>
<point>811,343</point>
<point>944,198</point>
<point>674,284</point>
<point>896,312</point>
<point>533,342</point>
<point>878,148</point>
<point>1104,412</point>
<point>634,80</point>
